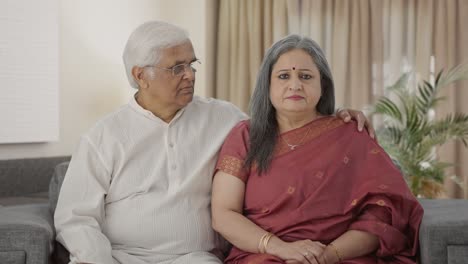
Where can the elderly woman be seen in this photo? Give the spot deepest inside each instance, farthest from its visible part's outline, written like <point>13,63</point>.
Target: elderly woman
<point>297,185</point>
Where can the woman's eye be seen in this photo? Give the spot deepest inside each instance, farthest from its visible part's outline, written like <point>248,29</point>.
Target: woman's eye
<point>306,76</point>
<point>283,76</point>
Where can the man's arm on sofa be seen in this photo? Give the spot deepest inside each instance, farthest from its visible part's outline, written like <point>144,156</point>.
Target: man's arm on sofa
<point>80,207</point>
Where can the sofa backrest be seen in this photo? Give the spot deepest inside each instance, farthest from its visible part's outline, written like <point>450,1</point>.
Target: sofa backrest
<point>27,176</point>
<point>56,184</point>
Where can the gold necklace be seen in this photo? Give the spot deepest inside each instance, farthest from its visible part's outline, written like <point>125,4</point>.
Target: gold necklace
<point>294,146</point>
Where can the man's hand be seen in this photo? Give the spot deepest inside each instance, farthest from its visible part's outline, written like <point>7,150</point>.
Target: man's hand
<point>347,114</point>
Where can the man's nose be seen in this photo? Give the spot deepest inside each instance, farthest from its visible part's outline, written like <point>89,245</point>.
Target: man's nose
<point>189,72</point>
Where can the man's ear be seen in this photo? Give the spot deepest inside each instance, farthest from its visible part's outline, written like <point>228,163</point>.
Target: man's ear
<point>138,74</point>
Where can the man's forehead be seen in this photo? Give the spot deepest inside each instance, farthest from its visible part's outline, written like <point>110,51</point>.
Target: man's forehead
<point>178,54</point>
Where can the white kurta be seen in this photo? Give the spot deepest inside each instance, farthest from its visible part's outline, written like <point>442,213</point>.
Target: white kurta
<point>138,190</point>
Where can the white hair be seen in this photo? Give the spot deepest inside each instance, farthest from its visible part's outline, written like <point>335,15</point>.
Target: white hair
<point>144,45</point>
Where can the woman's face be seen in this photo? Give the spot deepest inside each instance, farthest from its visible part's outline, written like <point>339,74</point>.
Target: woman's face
<point>295,84</point>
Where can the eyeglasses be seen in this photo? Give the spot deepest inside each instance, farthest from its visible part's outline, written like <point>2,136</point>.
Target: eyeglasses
<point>180,69</point>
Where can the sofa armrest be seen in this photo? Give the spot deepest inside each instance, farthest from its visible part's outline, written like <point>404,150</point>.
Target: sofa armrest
<point>28,229</point>
<point>60,254</point>
<point>443,234</point>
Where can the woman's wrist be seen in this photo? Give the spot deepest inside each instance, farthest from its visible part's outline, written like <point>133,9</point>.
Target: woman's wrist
<point>263,243</point>
<point>274,245</point>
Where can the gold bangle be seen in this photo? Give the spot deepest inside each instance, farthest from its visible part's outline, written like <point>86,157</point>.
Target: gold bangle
<point>336,252</point>
<point>260,243</point>
<point>266,240</point>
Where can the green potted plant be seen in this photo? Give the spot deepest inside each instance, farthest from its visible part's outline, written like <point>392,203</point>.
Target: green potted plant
<point>410,132</point>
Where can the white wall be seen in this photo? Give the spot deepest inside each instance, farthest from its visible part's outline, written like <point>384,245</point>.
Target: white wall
<point>92,77</point>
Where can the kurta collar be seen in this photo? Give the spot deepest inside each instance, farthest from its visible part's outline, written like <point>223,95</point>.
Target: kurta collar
<point>148,114</point>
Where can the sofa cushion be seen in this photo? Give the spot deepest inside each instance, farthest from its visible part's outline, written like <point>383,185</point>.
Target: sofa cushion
<point>457,254</point>
<point>13,257</point>
<point>34,198</point>
<point>55,184</point>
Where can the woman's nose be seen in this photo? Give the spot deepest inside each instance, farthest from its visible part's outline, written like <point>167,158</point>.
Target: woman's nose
<point>295,84</point>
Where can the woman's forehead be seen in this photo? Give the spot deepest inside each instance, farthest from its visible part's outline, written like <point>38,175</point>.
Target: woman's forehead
<point>296,59</point>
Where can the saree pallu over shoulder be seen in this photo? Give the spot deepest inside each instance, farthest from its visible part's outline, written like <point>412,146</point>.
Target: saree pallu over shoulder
<point>235,148</point>
<point>337,180</point>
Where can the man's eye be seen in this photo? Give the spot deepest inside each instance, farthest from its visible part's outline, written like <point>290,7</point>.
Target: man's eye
<point>283,76</point>
<point>179,68</point>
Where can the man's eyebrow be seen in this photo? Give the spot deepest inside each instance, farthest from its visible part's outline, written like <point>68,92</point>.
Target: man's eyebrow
<point>183,62</point>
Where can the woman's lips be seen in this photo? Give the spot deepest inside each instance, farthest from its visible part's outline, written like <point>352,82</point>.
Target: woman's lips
<point>295,97</point>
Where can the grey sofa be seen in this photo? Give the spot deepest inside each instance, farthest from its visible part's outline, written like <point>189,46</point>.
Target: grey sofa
<point>444,232</point>
<point>26,222</point>
<point>27,233</point>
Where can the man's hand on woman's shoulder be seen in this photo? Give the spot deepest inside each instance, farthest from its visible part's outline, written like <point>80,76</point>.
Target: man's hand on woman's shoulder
<point>348,114</point>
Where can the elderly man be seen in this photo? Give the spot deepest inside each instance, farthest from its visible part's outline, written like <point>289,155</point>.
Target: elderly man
<point>137,190</point>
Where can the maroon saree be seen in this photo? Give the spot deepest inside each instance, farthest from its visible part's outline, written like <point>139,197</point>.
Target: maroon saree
<point>338,179</point>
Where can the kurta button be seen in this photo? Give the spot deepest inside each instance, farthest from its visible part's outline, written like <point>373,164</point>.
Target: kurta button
<point>171,145</point>
<point>174,167</point>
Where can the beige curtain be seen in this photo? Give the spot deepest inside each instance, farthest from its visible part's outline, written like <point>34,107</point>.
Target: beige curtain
<point>368,43</point>
<point>246,28</point>
<point>450,45</point>
<point>343,30</point>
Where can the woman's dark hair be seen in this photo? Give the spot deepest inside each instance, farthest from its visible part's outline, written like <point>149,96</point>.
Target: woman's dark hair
<point>263,124</point>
